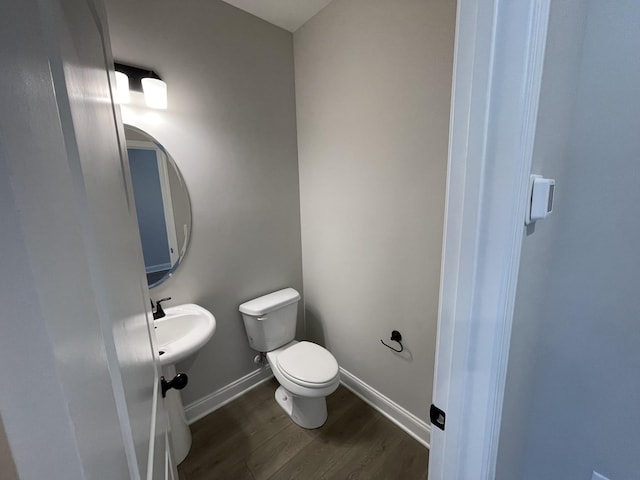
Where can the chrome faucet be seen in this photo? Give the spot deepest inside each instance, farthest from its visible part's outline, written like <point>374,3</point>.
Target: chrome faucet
<point>157,310</point>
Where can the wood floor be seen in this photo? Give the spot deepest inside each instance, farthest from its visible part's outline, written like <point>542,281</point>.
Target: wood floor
<point>253,439</point>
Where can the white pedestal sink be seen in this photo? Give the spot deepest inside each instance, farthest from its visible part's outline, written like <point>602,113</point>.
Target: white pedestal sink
<point>180,333</point>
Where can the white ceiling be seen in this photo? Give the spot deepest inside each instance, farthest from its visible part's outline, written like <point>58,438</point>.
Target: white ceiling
<point>288,14</point>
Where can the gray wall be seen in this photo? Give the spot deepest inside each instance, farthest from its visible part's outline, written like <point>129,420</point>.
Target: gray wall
<point>573,387</point>
<point>373,82</point>
<point>230,127</point>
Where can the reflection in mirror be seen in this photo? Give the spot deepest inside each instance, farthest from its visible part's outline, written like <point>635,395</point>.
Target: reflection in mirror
<point>162,205</point>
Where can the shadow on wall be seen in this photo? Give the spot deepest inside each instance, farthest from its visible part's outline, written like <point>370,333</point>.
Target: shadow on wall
<point>314,327</point>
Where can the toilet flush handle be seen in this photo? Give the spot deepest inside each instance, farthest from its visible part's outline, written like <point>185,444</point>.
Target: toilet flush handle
<point>262,318</point>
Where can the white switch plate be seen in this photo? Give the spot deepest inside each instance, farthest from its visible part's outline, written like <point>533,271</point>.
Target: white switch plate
<point>597,476</point>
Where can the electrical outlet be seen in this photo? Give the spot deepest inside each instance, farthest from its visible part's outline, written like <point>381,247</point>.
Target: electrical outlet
<point>597,476</point>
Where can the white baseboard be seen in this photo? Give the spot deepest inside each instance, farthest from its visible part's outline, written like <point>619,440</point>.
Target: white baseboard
<point>200,408</point>
<point>406,420</point>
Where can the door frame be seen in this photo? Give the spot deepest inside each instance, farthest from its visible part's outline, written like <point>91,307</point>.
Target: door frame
<point>498,63</point>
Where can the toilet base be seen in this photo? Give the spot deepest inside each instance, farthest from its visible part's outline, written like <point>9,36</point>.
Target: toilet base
<point>307,412</point>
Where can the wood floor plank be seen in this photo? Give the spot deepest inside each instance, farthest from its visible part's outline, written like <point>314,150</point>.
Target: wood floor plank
<point>271,456</point>
<point>382,452</point>
<point>337,403</point>
<point>238,471</point>
<point>409,460</point>
<point>232,433</point>
<point>330,443</point>
<point>364,450</point>
<point>253,439</point>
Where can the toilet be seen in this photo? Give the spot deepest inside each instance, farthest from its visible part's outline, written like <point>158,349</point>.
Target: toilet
<point>307,372</point>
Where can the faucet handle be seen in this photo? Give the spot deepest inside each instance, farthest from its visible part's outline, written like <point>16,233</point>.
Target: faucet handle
<point>159,312</point>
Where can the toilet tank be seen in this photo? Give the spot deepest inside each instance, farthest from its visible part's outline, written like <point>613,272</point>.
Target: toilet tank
<point>270,320</point>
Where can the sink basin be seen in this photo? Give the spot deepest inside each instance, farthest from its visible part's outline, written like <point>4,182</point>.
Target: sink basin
<point>183,331</point>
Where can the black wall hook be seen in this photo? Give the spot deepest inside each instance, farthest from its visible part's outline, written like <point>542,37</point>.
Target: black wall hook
<point>395,337</point>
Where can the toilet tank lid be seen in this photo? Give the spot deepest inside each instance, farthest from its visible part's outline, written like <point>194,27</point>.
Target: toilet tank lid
<point>268,303</point>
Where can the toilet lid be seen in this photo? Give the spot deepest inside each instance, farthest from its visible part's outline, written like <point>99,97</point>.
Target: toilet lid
<point>308,362</point>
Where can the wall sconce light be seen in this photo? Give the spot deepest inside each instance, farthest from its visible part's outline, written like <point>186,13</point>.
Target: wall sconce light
<point>140,80</point>
<point>122,88</point>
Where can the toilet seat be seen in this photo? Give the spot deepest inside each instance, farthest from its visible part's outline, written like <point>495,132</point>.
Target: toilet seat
<point>308,364</point>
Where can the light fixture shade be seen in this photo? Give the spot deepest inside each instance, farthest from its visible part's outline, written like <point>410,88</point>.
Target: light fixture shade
<point>155,92</point>
<point>122,88</point>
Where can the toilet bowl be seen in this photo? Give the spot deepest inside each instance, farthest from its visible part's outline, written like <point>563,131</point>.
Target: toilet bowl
<point>307,372</point>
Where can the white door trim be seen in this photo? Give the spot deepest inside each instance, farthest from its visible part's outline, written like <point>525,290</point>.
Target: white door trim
<point>498,65</point>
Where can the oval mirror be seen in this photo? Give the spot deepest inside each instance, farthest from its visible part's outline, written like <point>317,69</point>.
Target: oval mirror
<point>162,204</point>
